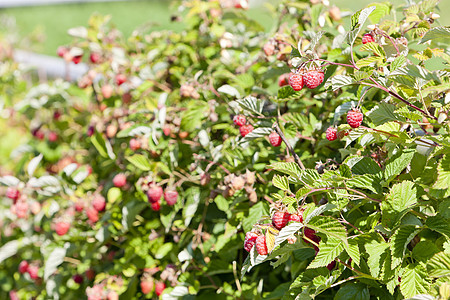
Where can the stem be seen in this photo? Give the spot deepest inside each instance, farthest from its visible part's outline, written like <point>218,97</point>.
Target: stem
<point>380,131</point>
<point>338,188</point>
<point>238,285</point>
<point>342,281</point>
<point>354,270</point>
<point>296,158</point>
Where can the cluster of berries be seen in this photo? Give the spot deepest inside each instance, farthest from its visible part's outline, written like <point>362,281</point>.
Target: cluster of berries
<point>147,281</point>
<point>244,128</point>
<point>233,183</point>
<point>31,269</point>
<point>154,194</point>
<point>97,205</point>
<point>311,78</point>
<point>40,135</point>
<point>106,289</point>
<point>279,220</point>
<point>354,119</point>
<point>21,206</point>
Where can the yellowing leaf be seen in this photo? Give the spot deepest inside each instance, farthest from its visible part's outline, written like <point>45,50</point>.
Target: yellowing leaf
<point>270,238</point>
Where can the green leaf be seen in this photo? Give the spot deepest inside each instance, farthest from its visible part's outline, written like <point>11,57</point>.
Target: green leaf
<point>252,105</point>
<point>281,182</point>
<point>259,132</point>
<point>375,248</point>
<point>363,165</point>
<point>399,241</point>
<point>52,262</point>
<point>286,232</point>
<point>330,227</point>
<point>245,80</point>
<point>439,224</point>
<point>338,81</point>
<point>382,113</point>
<point>443,181</point>
<point>439,265</point>
<point>369,182</point>
<point>357,21</point>
<point>328,251</point>
<point>289,168</point>
<point>343,109</point>
<point>381,10</point>
<point>191,205</point>
<point>99,144</point>
<point>114,194</point>
<point>414,281</point>
<point>399,201</point>
<point>397,163</point>
<point>254,214</point>
<point>370,61</point>
<point>285,92</point>
<point>354,291</point>
<point>139,161</point>
<point>353,250</point>
<point>398,62</point>
<point>424,250</point>
<point>317,211</point>
<point>436,33</point>
<point>374,47</point>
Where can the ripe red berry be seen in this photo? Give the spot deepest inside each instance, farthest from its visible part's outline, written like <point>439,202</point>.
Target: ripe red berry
<point>283,80</point>
<point>154,193</point>
<point>62,228</point>
<point>296,218</point>
<point>159,287</point>
<point>77,278</point>
<point>354,117</point>
<point>239,120</point>
<point>12,193</point>
<point>280,219</point>
<point>94,57</point>
<point>77,59</point>
<point>296,81</point>
<point>92,214</point>
<point>250,239</point>
<point>313,78</point>
<point>99,203</point>
<point>156,206</point>
<point>331,265</point>
<point>135,144</point>
<point>120,79</point>
<point>261,246</point>
<point>331,133</point>
<point>146,286</point>
<point>119,180</point>
<point>275,139</point>
<point>171,197</point>
<point>33,271</point>
<point>61,51</point>
<point>52,136</point>
<point>23,267</point>
<point>245,129</point>
<point>367,38</point>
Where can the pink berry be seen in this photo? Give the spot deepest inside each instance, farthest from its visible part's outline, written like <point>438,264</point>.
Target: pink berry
<point>296,81</point>
<point>154,193</point>
<point>62,228</point>
<point>313,78</point>
<point>354,117</point>
<point>12,193</point>
<point>120,180</point>
<point>94,57</point>
<point>171,197</point>
<point>120,79</point>
<point>33,271</point>
<point>245,129</point>
<point>250,239</point>
<point>367,38</point>
<point>99,203</point>
<point>331,133</point>
<point>52,136</point>
<point>156,206</point>
<point>135,144</point>
<point>23,267</point>
<point>275,139</point>
<point>159,288</point>
<point>239,120</point>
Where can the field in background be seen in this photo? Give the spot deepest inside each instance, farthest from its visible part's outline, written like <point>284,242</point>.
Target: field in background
<point>54,20</point>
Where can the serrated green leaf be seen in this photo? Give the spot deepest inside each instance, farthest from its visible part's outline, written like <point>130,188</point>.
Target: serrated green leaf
<point>254,214</point>
<point>370,61</point>
<point>414,281</point>
<point>281,182</point>
<point>139,161</point>
<point>368,181</point>
<point>381,10</point>
<point>354,291</point>
<point>424,250</point>
<point>330,227</point>
<point>374,47</point>
<point>439,224</point>
<point>399,201</point>
<point>289,168</point>
<point>375,248</point>
<point>436,33</point>
<point>397,163</point>
<point>328,251</point>
<point>338,81</point>
<point>439,265</point>
<point>353,250</point>
<point>382,113</point>
<point>443,180</point>
<point>252,105</point>
<point>398,62</point>
<point>399,241</point>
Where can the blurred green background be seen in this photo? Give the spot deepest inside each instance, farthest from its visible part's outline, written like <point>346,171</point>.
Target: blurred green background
<point>53,21</point>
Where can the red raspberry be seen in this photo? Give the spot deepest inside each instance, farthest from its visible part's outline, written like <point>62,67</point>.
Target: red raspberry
<point>77,278</point>
<point>171,197</point>
<point>331,265</point>
<point>367,38</point>
<point>296,218</point>
<point>159,287</point>
<point>311,234</point>
<point>154,193</point>
<point>61,51</point>
<point>120,79</point>
<point>62,228</point>
<point>79,206</point>
<point>250,239</point>
<point>52,136</point>
<point>99,203</point>
<point>280,219</point>
<point>13,193</point>
<point>94,57</point>
<point>77,59</point>
<point>33,271</point>
<point>156,206</point>
<point>119,180</point>
<point>239,120</point>
<point>21,208</point>
<point>245,129</point>
<point>135,144</point>
<point>354,117</point>
<point>296,81</point>
<point>23,267</point>
<point>283,80</point>
<point>261,246</point>
<point>92,214</point>
<point>146,286</point>
<point>331,133</point>
<point>269,49</point>
<point>313,78</point>
<point>274,139</point>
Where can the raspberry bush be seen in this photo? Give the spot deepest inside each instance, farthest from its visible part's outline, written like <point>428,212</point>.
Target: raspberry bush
<point>225,162</point>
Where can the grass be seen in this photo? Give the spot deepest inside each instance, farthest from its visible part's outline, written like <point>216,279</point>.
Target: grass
<point>54,20</point>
